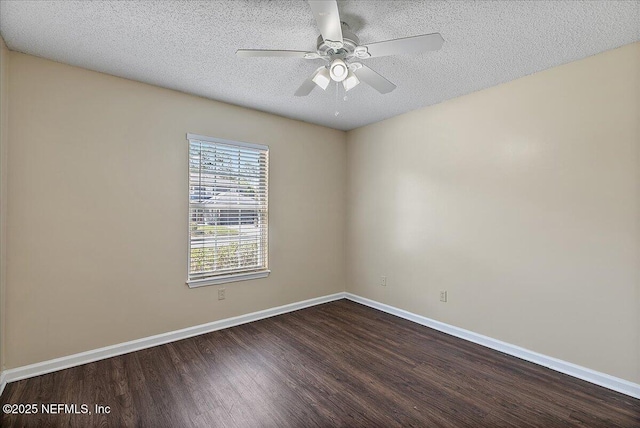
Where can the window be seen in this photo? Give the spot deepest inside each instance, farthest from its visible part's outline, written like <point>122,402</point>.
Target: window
<point>228,214</point>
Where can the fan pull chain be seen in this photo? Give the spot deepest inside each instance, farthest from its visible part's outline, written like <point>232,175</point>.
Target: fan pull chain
<point>336,100</point>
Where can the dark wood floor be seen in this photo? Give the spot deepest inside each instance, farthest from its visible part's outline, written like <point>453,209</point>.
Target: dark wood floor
<point>337,364</point>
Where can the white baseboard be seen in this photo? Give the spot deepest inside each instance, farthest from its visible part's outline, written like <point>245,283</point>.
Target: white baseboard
<point>61,363</point>
<point>3,381</point>
<point>598,378</point>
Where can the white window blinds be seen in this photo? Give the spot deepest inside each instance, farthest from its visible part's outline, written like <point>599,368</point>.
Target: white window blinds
<point>228,210</point>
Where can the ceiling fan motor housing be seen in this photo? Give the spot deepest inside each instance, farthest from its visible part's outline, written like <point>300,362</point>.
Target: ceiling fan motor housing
<point>350,42</point>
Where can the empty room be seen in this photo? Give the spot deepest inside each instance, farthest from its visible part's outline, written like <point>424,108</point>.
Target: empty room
<point>292,213</point>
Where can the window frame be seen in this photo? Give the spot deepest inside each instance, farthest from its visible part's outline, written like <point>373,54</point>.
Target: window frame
<point>231,276</point>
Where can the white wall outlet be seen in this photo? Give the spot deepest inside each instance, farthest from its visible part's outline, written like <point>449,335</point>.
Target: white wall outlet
<point>221,293</point>
<point>443,296</point>
<point>383,281</point>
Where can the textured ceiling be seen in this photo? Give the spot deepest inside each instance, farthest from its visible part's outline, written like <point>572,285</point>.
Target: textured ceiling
<point>190,46</point>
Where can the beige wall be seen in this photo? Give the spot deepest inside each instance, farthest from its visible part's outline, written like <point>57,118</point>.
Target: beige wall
<point>98,210</point>
<point>4,119</point>
<point>522,201</point>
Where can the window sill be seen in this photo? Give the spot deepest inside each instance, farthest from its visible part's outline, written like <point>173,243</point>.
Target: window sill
<point>223,279</point>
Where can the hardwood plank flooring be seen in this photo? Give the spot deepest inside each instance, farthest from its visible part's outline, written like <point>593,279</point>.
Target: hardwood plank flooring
<point>340,364</point>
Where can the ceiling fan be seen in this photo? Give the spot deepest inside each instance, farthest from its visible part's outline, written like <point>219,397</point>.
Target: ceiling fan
<point>341,50</point>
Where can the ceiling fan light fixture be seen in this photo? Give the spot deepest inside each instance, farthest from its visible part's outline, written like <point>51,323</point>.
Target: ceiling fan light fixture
<point>338,70</point>
<point>322,78</point>
<point>351,81</point>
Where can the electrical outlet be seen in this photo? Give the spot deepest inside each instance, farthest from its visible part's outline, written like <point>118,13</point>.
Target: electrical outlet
<point>383,281</point>
<point>221,295</point>
<point>443,296</point>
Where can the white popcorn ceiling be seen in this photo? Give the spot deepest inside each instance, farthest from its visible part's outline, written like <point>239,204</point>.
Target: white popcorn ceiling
<point>190,46</point>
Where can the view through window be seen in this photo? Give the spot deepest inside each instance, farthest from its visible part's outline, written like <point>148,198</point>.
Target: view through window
<point>228,210</point>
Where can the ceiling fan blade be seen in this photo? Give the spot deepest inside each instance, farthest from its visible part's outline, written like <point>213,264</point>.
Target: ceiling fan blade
<point>328,19</point>
<point>407,45</point>
<point>308,85</point>
<point>373,79</point>
<point>267,52</point>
